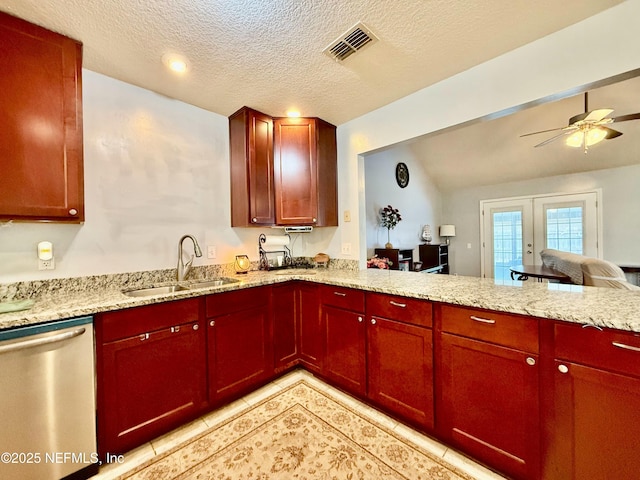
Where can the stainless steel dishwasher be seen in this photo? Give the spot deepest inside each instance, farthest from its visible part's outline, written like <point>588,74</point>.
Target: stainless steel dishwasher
<point>47,401</point>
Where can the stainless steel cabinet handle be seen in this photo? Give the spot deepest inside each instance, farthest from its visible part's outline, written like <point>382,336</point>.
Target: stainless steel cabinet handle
<point>563,369</point>
<point>531,361</point>
<point>482,320</point>
<point>396,304</point>
<point>373,321</point>
<point>36,342</point>
<point>360,319</point>
<point>340,294</point>
<point>586,325</point>
<point>73,211</point>
<point>212,323</point>
<point>144,336</point>
<point>625,347</point>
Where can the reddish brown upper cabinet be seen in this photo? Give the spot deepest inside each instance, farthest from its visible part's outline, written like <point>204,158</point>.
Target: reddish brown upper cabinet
<point>41,163</point>
<point>305,172</point>
<point>239,342</point>
<point>489,388</point>
<point>400,357</point>
<point>251,146</point>
<point>150,372</point>
<point>596,412</point>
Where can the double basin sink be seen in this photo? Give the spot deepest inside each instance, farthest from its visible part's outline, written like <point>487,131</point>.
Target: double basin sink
<point>163,290</point>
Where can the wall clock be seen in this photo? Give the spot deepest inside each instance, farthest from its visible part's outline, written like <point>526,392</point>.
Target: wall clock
<point>402,174</point>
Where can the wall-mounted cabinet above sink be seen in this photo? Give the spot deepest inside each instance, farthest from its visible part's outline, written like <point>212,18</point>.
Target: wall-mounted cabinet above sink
<point>283,170</point>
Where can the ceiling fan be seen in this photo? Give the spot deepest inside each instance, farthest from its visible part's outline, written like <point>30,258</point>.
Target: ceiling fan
<point>588,128</point>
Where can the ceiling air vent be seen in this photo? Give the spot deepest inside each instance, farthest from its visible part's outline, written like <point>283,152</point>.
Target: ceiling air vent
<point>350,42</point>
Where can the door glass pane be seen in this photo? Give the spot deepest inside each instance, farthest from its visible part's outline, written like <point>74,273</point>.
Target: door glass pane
<point>507,243</point>
<point>564,228</point>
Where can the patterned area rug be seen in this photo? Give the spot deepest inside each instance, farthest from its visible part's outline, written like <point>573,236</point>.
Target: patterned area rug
<point>299,433</point>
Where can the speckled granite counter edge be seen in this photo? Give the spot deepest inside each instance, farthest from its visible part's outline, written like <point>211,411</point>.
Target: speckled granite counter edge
<point>586,305</point>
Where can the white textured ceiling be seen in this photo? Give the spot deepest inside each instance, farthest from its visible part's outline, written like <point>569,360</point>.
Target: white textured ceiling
<point>268,54</point>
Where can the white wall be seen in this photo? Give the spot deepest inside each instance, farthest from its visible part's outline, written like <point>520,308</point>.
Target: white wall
<point>419,203</point>
<point>551,65</point>
<point>155,169</point>
<point>620,200</point>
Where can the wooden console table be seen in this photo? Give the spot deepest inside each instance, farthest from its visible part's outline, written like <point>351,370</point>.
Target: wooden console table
<point>538,271</point>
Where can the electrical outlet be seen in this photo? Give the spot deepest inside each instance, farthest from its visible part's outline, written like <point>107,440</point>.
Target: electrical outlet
<point>346,249</point>
<point>211,251</point>
<point>347,215</point>
<point>46,264</point>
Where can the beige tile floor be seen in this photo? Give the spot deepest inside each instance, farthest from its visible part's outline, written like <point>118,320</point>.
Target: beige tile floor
<point>160,445</point>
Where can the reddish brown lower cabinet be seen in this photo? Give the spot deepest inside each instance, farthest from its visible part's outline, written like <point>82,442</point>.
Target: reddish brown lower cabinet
<point>239,342</point>
<point>488,403</point>
<point>400,369</point>
<point>311,339</point>
<point>400,357</point>
<point>342,311</point>
<point>286,325</point>
<point>596,414</point>
<point>151,372</point>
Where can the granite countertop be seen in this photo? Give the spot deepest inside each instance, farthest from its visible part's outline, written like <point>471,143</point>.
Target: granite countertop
<point>603,307</point>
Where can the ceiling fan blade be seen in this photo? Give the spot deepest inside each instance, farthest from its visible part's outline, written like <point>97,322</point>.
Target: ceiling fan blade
<point>592,116</point>
<point>542,131</point>
<point>549,140</point>
<point>625,118</point>
<point>611,133</point>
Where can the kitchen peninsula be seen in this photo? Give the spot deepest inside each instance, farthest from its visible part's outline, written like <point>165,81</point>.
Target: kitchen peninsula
<point>511,349</point>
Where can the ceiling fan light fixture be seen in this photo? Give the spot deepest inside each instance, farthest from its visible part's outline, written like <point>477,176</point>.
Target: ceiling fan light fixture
<point>575,139</point>
<point>595,135</point>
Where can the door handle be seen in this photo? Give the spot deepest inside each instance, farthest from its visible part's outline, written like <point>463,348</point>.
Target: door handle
<point>36,342</point>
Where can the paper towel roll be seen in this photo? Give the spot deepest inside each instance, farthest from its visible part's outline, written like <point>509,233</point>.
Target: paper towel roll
<point>276,240</point>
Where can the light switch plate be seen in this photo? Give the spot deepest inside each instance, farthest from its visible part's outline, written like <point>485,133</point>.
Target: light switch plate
<point>346,249</point>
<point>211,251</point>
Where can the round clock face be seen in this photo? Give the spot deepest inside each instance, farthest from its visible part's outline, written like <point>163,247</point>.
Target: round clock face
<point>402,174</point>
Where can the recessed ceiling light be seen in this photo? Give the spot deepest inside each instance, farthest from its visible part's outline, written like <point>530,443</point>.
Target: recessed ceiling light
<point>293,113</point>
<point>174,62</point>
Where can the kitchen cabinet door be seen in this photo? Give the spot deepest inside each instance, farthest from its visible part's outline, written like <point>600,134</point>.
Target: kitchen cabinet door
<point>310,321</point>
<point>305,172</point>
<point>344,361</point>
<point>400,369</point>
<point>149,384</point>
<point>286,325</point>
<point>489,404</point>
<point>41,167</point>
<point>240,355</point>
<point>251,148</point>
<point>596,424</point>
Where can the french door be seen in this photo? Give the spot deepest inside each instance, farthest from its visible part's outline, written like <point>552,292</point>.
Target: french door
<point>515,230</point>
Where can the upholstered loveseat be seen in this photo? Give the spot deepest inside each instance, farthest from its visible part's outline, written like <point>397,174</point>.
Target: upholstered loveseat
<point>586,270</point>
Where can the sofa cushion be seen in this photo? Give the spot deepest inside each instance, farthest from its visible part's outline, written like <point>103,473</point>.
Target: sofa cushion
<point>565,262</point>
<point>601,273</point>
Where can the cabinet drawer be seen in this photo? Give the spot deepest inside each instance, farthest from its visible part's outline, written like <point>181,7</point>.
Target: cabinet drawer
<point>236,301</point>
<point>148,318</point>
<point>500,328</point>
<point>346,298</point>
<point>606,349</point>
<point>402,309</point>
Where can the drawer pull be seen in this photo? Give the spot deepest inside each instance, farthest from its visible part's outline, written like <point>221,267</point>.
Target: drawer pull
<point>586,325</point>
<point>175,329</point>
<point>360,319</point>
<point>563,369</point>
<point>482,320</point>
<point>531,361</point>
<point>396,304</point>
<point>212,323</point>
<point>144,336</point>
<point>625,347</point>
<point>373,321</point>
<point>196,327</point>
<point>340,294</point>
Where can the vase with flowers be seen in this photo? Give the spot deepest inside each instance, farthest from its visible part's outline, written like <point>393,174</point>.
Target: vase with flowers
<point>389,218</point>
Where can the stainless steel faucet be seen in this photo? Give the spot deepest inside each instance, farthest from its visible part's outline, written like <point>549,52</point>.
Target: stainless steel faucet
<point>183,268</point>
